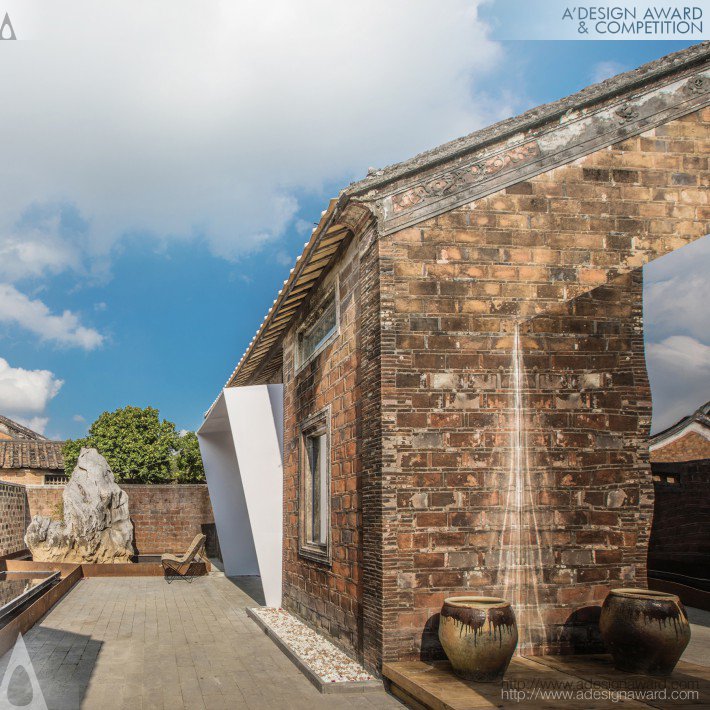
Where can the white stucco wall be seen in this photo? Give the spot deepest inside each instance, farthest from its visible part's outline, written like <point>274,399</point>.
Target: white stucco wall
<point>241,444</point>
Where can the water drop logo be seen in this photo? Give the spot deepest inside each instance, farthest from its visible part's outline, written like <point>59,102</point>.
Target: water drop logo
<point>19,687</point>
<point>7,31</point>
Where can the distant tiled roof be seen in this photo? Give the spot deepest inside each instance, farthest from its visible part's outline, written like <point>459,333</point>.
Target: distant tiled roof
<point>18,453</point>
<point>698,421</point>
<point>18,431</point>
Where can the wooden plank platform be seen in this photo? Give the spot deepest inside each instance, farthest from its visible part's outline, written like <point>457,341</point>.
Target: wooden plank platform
<point>547,683</point>
<point>599,669</point>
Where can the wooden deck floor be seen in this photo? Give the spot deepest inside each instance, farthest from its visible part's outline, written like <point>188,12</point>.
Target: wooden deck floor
<point>549,682</point>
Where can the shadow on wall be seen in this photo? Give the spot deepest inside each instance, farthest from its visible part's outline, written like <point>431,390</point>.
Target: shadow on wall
<point>587,411</point>
<point>431,649</point>
<point>583,508</point>
<point>212,549</point>
<point>580,633</point>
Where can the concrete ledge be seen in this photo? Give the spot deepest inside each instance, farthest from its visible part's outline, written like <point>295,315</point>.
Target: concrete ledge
<point>323,686</point>
<point>109,569</point>
<point>690,596</point>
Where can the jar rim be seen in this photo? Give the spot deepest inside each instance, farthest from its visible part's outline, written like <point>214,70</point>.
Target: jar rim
<point>476,602</point>
<point>651,594</point>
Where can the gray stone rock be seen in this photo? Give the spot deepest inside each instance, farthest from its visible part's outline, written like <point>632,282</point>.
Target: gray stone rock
<point>96,525</point>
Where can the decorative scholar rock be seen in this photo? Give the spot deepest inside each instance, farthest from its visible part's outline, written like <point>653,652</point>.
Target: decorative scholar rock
<point>479,636</point>
<point>645,631</point>
<point>96,526</point>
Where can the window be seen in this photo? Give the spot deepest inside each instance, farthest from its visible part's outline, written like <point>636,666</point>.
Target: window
<point>318,329</point>
<point>314,508</point>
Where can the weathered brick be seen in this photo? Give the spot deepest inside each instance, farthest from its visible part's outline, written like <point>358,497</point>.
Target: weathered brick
<point>425,353</point>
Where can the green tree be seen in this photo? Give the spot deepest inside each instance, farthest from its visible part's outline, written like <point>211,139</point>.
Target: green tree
<point>71,451</point>
<point>188,461</point>
<point>134,441</point>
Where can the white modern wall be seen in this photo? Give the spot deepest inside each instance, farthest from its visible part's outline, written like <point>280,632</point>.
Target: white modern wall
<point>241,443</point>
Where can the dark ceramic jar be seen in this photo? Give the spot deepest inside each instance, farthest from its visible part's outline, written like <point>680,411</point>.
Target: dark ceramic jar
<point>479,635</point>
<point>645,631</point>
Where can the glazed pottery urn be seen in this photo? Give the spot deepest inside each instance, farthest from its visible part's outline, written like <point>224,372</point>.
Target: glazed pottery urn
<point>645,631</point>
<point>479,636</point>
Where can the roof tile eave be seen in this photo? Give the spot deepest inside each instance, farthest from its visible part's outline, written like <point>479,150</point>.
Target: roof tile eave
<point>539,115</point>
<point>19,453</point>
<point>699,416</point>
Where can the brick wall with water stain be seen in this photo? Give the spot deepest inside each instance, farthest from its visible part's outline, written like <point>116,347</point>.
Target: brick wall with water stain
<point>560,254</point>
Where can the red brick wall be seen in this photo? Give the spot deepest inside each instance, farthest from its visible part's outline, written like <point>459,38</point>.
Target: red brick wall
<point>690,447</point>
<point>419,381</point>
<point>329,595</point>
<point>561,254</point>
<point>165,517</point>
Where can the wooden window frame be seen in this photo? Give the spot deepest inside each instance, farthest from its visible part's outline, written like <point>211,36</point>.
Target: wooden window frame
<point>315,426</point>
<point>332,293</point>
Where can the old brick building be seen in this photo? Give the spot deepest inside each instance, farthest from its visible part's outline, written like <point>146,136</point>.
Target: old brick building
<point>464,330</point>
<point>28,457</point>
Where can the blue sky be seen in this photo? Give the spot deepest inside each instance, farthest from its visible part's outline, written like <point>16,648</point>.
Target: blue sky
<point>155,196</point>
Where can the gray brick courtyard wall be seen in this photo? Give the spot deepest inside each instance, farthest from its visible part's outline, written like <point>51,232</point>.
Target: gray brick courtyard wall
<point>13,517</point>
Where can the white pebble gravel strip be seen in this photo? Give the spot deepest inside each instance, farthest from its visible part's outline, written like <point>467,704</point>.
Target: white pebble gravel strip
<point>327,661</point>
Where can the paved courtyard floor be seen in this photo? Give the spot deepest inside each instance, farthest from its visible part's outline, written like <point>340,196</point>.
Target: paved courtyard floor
<point>141,643</point>
<point>698,650</point>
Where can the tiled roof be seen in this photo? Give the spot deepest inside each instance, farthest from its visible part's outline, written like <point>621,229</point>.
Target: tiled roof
<point>698,421</point>
<point>20,453</point>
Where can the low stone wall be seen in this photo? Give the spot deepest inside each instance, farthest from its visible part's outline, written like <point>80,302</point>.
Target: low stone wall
<point>13,517</point>
<point>165,517</point>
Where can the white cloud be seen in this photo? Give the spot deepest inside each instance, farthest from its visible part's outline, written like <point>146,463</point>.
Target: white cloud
<point>605,70</point>
<point>22,256</point>
<point>682,352</point>
<point>679,370</point>
<point>38,424</point>
<point>78,418</point>
<point>677,331</point>
<point>26,393</point>
<point>33,315</point>
<point>675,293</point>
<point>304,227</point>
<point>186,119</point>
<point>46,239</point>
